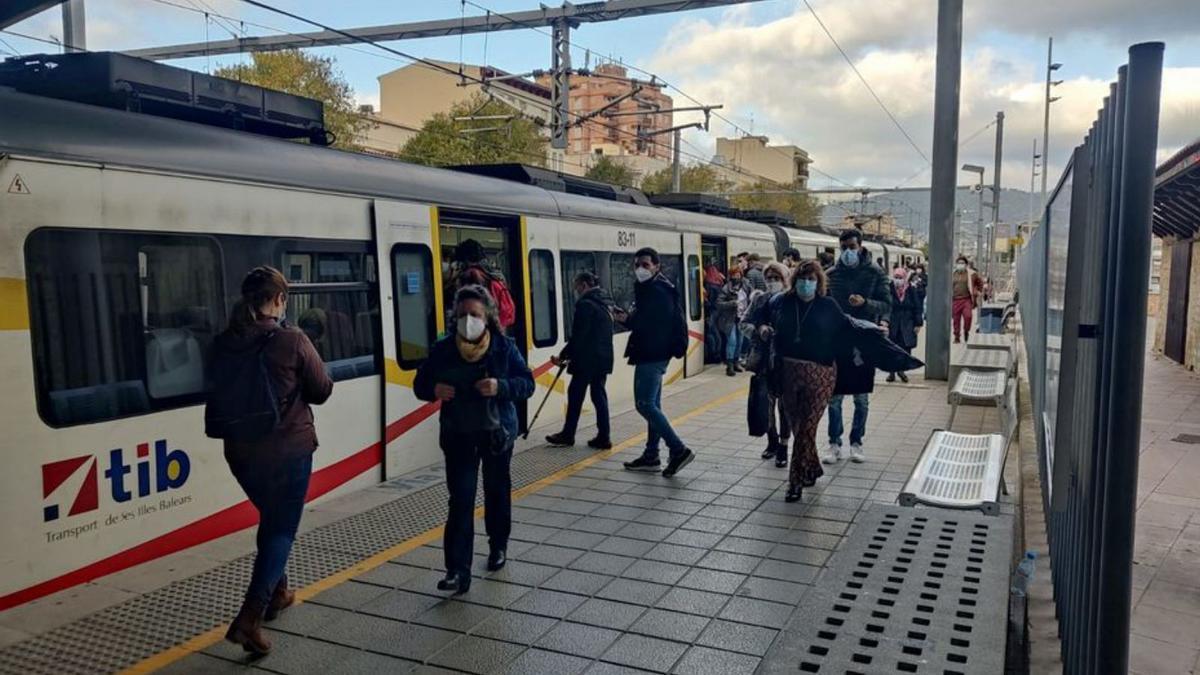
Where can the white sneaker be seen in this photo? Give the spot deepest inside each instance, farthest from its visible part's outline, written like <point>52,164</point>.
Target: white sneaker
<point>833,455</point>
<point>856,454</point>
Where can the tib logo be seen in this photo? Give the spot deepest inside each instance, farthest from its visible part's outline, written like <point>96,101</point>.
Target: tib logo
<point>171,470</point>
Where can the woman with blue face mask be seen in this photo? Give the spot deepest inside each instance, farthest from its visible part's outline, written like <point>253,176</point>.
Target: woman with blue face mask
<point>807,329</point>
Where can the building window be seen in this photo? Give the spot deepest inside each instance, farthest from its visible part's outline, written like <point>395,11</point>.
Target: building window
<point>412,290</point>
<point>333,298</point>
<point>120,323</point>
<point>543,295</point>
<point>693,277</point>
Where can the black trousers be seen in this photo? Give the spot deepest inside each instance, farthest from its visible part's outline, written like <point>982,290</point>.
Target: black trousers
<point>580,385</point>
<point>464,454</point>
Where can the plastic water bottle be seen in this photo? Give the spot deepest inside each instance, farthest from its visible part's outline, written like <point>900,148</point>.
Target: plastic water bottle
<point>1024,574</point>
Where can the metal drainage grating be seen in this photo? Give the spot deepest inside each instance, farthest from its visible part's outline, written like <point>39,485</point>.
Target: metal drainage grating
<point>910,592</point>
<point>1190,439</point>
<point>124,634</point>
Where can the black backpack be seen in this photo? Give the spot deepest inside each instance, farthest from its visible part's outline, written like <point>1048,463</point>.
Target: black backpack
<point>242,401</point>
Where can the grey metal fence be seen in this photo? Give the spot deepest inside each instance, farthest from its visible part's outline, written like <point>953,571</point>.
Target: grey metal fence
<point>1083,279</point>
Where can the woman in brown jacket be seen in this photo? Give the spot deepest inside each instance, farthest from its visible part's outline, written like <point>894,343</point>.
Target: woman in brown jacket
<point>273,470</point>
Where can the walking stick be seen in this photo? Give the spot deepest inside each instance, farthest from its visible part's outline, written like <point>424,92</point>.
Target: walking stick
<point>557,375</point>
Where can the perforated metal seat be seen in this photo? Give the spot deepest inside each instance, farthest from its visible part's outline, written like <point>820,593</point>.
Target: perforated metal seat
<point>963,471</point>
<point>977,385</point>
<point>999,341</point>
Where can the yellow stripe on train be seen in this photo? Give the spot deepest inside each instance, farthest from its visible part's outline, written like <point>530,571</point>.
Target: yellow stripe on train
<point>14,304</point>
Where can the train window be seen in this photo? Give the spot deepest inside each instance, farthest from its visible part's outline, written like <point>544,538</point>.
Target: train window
<point>573,262</point>
<point>120,322</point>
<point>543,296</point>
<point>412,288</point>
<point>621,279</point>
<point>693,270</point>
<point>333,299</point>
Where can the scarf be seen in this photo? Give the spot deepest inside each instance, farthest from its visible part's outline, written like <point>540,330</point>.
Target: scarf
<point>900,281</point>
<point>472,352</point>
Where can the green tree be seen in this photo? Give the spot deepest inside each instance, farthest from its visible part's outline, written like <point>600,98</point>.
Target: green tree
<point>297,72</point>
<point>692,178</point>
<point>612,171</point>
<point>496,134</point>
<point>797,203</point>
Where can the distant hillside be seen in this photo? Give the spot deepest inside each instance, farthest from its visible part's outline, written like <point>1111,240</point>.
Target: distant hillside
<point>912,208</point>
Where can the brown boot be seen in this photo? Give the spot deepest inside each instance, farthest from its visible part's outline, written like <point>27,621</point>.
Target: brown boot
<point>246,629</point>
<point>283,598</point>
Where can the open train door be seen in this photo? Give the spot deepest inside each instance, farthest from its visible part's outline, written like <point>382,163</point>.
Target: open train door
<point>411,317</point>
<point>693,292</point>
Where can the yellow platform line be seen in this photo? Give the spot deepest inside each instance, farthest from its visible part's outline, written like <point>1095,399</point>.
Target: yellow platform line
<point>217,633</point>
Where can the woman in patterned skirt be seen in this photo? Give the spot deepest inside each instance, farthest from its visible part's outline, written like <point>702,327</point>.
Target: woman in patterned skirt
<point>807,328</point>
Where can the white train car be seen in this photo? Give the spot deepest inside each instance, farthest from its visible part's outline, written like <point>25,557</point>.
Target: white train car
<point>125,238</point>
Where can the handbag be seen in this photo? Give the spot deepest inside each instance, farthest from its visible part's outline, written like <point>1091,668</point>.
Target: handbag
<point>758,406</point>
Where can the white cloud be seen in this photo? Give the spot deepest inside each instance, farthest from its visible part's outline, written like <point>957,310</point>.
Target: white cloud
<point>799,89</point>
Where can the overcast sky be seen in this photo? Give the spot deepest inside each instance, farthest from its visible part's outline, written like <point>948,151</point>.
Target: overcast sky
<point>773,68</point>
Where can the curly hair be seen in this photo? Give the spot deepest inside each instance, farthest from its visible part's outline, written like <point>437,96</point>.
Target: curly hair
<point>475,292</point>
<point>813,267</point>
<point>780,269</point>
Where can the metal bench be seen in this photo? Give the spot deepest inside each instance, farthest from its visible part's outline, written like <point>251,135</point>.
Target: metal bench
<point>990,341</point>
<point>963,471</point>
<point>983,386</point>
<point>962,359</point>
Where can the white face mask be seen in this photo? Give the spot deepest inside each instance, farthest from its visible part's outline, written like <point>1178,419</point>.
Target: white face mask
<point>774,286</point>
<point>642,273</point>
<point>471,327</point>
<point>961,267</point>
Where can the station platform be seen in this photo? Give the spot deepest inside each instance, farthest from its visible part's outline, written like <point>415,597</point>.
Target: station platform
<point>609,571</point>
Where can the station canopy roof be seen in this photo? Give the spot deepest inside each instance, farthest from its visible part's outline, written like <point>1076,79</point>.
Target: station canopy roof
<point>1177,194</point>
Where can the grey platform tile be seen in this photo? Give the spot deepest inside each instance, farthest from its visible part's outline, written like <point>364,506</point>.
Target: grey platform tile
<point>692,601</point>
<point>674,553</point>
<point>810,539</point>
<point>307,619</point>
<point>554,556</point>
<point>399,605</point>
<point>541,662</point>
<point>655,571</point>
<point>578,639</point>
<point>425,557</point>
<point>618,512</point>
<point>787,571</point>
<point>475,654</point>
<point>634,548</point>
<point>636,501</point>
<point>598,525</point>
<point>709,524</point>
<point>647,653</point>
<point>799,554</point>
<point>633,591</point>
<point>708,661</point>
<point>572,539</point>
<point>548,603</point>
<point>390,637</point>
<point>519,572</point>
<point>744,502</point>
<point>456,616</point>
<point>738,637</point>
<point>757,612</point>
<point>531,533</point>
<point>602,563</point>
<point>203,664</point>
<point>646,532</point>
<point>755,547</point>
<point>350,595</point>
<point>669,625</point>
<point>573,581</point>
<point>387,575</point>
<point>493,593</point>
<point>679,506</point>
<point>299,656</point>
<point>703,540</point>
<point>725,512</point>
<point>773,589</point>
<point>729,562</point>
<point>607,614</point>
<point>762,532</point>
<point>516,627</point>
<point>602,668</point>
<point>712,580</point>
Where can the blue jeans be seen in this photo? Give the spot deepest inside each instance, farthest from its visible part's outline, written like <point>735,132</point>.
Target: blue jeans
<point>647,397</point>
<point>580,384</point>
<point>858,428</point>
<point>733,345</point>
<point>276,488</point>
<point>465,454</point>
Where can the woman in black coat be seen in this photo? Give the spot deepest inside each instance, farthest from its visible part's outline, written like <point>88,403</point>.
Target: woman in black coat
<point>589,358</point>
<point>908,315</point>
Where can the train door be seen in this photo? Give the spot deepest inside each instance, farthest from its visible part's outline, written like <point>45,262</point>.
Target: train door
<point>693,280</point>
<point>713,251</point>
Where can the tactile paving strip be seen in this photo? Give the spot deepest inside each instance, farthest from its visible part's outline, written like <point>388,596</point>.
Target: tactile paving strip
<point>123,635</point>
<point>912,591</point>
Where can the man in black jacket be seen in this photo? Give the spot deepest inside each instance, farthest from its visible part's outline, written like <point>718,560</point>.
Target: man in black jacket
<point>589,358</point>
<point>861,289</point>
<point>658,333</point>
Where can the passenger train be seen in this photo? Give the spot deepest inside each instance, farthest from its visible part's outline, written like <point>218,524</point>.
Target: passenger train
<point>125,237</point>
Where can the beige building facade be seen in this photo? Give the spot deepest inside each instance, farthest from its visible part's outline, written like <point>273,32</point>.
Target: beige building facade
<point>747,160</point>
<point>629,128</point>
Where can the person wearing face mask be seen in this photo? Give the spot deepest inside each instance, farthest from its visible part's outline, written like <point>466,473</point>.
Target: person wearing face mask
<point>791,259</point>
<point>778,428</point>
<point>271,463</point>
<point>658,333</point>
<point>908,316</point>
<point>589,358</point>
<point>861,290</point>
<point>966,287</point>
<point>477,374</point>
<point>731,303</point>
<point>808,331</point>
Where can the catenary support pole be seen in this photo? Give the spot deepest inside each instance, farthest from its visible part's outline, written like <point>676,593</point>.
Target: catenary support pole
<point>941,199</point>
<point>991,243</point>
<point>560,80</point>
<point>1143,90</point>
<point>675,168</point>
<point>1046,119</point>
<point>74,26</point>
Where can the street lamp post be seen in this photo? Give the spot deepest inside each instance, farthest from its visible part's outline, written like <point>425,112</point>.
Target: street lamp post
<point>1051,66</point>
<point>976,169</point>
